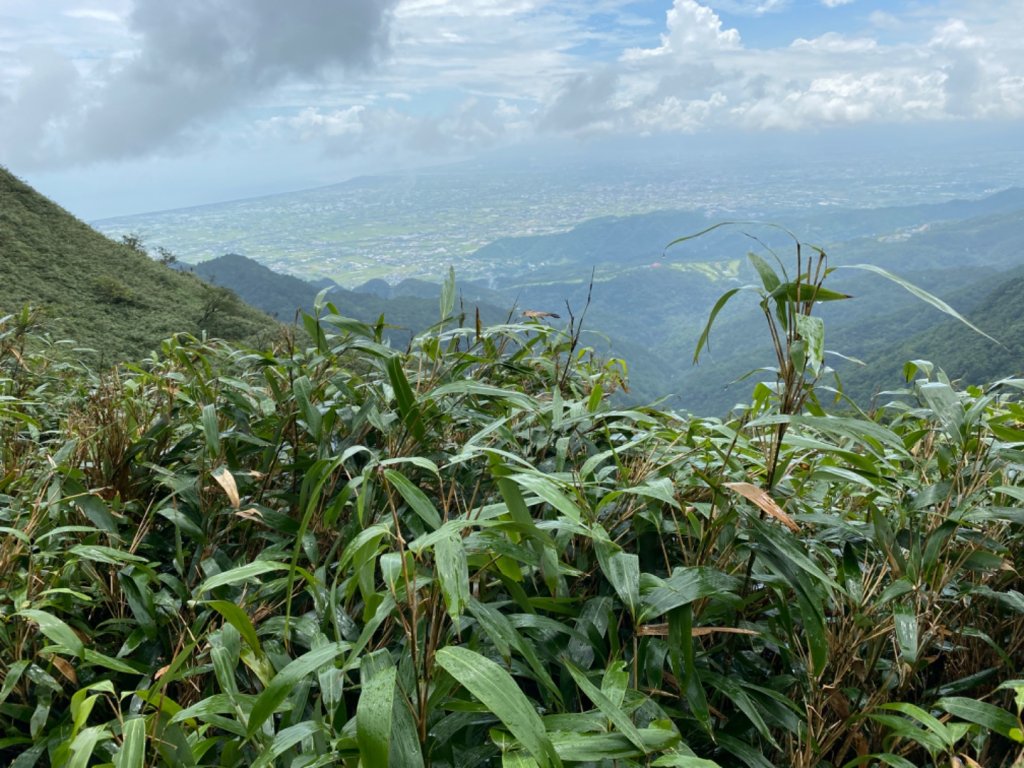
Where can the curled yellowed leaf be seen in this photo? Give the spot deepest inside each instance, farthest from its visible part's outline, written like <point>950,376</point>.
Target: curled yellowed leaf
<point>226,481</point>
<point>760,498</point>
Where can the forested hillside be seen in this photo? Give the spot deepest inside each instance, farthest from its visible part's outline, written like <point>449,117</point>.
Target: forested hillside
<point>103,295</point>
<point>407,309</point>
<point>649,303</point>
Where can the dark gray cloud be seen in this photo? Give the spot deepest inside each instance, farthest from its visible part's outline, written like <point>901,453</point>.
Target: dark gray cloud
<point>31,121</point>
<point>582,103</point>
<point>197,59</point>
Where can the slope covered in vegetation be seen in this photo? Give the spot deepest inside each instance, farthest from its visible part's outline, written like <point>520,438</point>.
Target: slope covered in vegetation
<point>462,555</point>
<point>285,296</point>
<point>104,295</point>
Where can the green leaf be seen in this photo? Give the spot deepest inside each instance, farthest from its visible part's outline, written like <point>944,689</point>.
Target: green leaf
<point>405,399</point>
<point>133,747</point>
<point>769,279</point>
<point>85,743</point>
<point>928,720</point>
<point>497,691</point>
<point>885,758</point>
<point>812,330</point>
<point>303,389</point>
<point>703,341</point>
<point>685,585</point>
<point>283,682</point>
<point>285,740</point>
<point>448,295</point>
<point>906,631</point>
<point>241,573</point>
<point>414,497</point>
<point>56,630</point>
<point>547,489</point>
<point>596,747</point>
<point>480,389</point>
<point>403,745</point>
<point>922,294</point>
<point>807,292</point>
<point>986,715</point>
<point>622,570</point>
<point>608,708</point>
<point>373,716</point>
<point>211,430</point>
<point>683,761</point>
<point>239,619</point>
<point>453,572</point>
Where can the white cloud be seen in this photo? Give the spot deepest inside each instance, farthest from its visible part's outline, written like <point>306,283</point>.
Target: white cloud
<point>95,14</point>
<point>832,42</point>
<point>114,79</point>
<point>835,3</point>
<point>750,7</point>
<point>970,68</point>
<point>955,34</point>
<point>693,30</point>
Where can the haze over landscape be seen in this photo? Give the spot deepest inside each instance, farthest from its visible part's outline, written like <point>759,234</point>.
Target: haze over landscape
<point>123,107</point>
<point>425,134</point>
<point>515,383</point>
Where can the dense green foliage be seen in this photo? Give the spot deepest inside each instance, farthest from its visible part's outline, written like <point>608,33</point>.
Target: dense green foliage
<point>107,296</point>
<point>463,554</point>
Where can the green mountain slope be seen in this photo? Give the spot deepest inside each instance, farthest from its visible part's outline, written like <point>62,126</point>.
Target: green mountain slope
<point>103,295</point>
<point>965,356</point>
<point>283,295</point>
<point>656,301</point>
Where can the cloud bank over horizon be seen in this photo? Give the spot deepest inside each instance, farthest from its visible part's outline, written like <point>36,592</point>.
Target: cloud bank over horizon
<point>115,82</point>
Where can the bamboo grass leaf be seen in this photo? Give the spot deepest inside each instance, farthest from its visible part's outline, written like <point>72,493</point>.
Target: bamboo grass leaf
<point>686,584</point>
<point>285,740</point>
<point>769,279</point>
<point>496,690</point>
<point>922,294</point>
<point>703,342</point>
<point>132,753</point>
<point>373,716</point>
<point>405,399</point>
<point>239,619</point>
<point>240,574</point>
<point>211,430</point>
<point>608,708</point>
<point>56,630</point>
<point>905,620</point>
<point>448,295</point>
<point>417,500</point>
<point>984,714</point>
<point>285,680</point>
<point>453,573</point>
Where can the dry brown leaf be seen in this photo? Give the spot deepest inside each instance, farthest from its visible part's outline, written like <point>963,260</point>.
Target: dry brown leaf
<point>535,314</point>
<point>161,672</point>
<point>661,630</point>
<point>65,668</point>
<point>764,502</point>
<point>250,514</point>
<point>226,481</point>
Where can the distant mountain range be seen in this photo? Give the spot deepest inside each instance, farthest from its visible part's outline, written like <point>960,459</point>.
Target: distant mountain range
<point>407,308</point>
<point>647,303</point>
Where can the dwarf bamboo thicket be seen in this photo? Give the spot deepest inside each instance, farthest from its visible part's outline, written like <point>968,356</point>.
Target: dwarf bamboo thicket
<point>332,552</point>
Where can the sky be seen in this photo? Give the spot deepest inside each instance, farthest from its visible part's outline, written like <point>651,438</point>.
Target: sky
<point>114,107</point>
